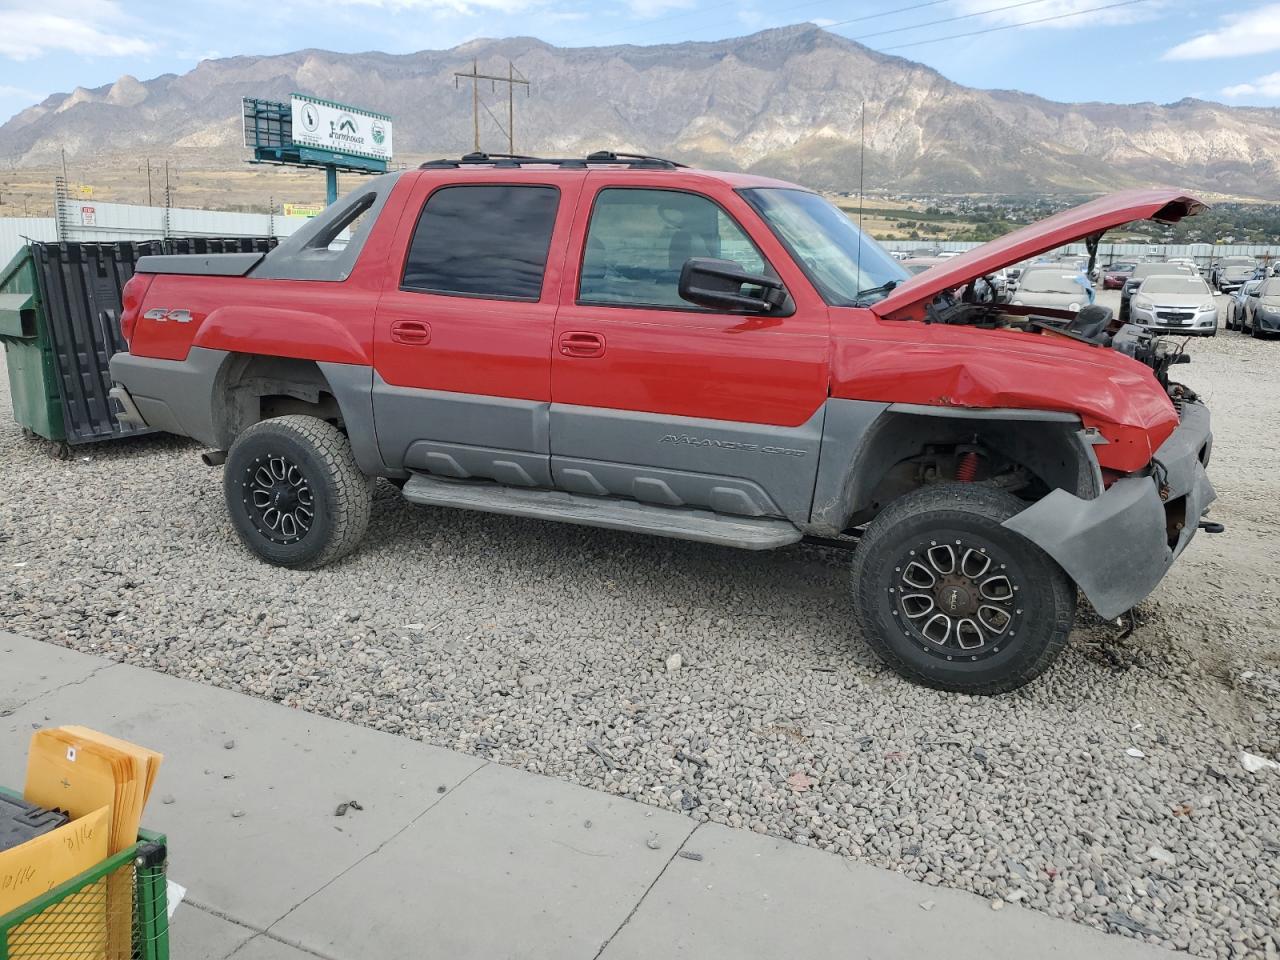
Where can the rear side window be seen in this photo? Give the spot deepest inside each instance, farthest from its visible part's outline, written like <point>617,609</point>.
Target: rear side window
<point>639,240</point>
<point>486,240</point>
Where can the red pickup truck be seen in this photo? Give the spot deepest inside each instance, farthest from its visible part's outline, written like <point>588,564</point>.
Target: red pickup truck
<point>624,342</point>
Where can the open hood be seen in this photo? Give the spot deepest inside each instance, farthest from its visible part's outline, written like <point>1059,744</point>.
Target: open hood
<point>1162,205</point>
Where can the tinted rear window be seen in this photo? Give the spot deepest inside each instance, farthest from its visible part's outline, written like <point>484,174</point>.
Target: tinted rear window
<point>483,240</point>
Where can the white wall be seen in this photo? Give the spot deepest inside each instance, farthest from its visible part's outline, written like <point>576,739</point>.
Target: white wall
<point>13,230</point>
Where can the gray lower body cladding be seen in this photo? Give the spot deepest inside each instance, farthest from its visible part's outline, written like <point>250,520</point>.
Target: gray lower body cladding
<point>1118,546</point>
<point>176,396</point>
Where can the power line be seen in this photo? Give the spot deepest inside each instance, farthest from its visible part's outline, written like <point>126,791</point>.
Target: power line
<point>512,78</point>
<point>934,23</point>
<point>1013,26</point>
<point>798,6</point>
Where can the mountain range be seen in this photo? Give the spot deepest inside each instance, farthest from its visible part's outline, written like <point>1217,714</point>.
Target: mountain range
<point>786,102</point>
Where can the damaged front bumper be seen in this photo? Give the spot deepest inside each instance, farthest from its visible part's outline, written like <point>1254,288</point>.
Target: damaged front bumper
<point>1119,545</point>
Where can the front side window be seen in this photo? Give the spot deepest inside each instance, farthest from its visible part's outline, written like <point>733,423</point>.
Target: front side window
<point>848,267</point>
<point>639,240</point>
<point>483,240</point>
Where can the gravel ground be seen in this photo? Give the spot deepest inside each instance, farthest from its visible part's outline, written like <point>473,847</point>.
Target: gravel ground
<point>1110,792</point>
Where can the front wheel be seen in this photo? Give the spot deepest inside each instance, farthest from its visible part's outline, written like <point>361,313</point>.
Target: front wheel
<point>950,598</point>
<point>296,496</point>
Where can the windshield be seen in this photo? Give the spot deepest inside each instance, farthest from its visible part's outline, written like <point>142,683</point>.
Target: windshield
<point>1175,285</point>
<point>1270,288</point>
<point>1050,281</point>
<point>847,267</point>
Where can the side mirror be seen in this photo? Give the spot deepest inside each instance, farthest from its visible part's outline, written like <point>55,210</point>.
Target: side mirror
<point>718,284</point>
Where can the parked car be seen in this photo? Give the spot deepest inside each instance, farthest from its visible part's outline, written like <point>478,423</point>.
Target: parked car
<point>1230,273</point>
<point>1175,303</point>
<point>914,265</point>
<point>1115,274</point>
<point>1055,287</point>
<point>1140,273</point>
<point>1013,275</point>
<point>1262,309</point>
<point>1237,302</point>
<point>626,343</point>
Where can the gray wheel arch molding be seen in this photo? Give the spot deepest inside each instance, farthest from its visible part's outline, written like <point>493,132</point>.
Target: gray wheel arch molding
<point>863,439</point>
<point>184,397</point>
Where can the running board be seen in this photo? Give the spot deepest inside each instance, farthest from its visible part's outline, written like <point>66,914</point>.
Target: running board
<point>680,523</point>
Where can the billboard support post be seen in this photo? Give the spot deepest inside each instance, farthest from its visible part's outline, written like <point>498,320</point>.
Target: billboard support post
<point>330,184</point>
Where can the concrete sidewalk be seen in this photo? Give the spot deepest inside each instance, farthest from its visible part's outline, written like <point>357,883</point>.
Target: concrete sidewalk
<point>455,856</point>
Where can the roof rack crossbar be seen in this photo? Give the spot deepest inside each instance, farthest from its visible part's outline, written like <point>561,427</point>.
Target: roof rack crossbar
<point>635,160</point>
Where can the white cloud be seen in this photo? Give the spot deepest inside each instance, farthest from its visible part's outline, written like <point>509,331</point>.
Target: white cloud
<point>29,29</point>
<point>1239,34</point>
<point>645,9</point>
<point>1268,86</point>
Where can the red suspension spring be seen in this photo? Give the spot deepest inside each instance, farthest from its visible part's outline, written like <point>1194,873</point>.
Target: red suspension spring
<point>967,468</point>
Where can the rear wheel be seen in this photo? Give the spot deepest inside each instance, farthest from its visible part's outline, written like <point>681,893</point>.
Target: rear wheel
<point>296,496</point>
<point>950,598</point>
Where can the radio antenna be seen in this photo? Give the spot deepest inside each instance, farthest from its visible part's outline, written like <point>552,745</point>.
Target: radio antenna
<point>862,169</point>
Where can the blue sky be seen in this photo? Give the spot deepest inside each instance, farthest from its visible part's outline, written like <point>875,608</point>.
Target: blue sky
<point>1161,50</point>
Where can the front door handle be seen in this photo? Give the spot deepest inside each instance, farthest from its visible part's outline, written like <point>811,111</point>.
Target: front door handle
<point>582,344</point>
<point>414,333</point>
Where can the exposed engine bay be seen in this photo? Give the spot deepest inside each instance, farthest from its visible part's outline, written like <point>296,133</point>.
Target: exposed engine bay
<point>1094,324</point>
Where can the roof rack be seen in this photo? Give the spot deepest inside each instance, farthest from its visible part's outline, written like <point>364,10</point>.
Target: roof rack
<point>634,160</point>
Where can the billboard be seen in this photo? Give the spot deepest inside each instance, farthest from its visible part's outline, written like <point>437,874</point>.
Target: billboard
<point>324,125</point>
<point>303,209</point>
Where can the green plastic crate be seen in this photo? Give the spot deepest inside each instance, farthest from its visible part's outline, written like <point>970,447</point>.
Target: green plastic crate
<point>90,916</point>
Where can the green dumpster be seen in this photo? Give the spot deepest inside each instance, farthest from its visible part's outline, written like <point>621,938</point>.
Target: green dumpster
<point>60,306</point>
<point>33,371</point>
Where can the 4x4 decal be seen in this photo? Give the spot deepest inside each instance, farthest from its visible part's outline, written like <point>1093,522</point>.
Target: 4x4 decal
<point>163,313</point>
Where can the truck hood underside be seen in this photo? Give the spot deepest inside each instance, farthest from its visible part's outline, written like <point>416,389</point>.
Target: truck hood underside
<point>1164,205</point>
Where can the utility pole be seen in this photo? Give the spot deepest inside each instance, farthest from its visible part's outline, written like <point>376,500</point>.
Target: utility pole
<point>512,78</point>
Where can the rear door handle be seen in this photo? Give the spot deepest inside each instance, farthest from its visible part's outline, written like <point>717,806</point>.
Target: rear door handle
<point>582,344</point>
<point>413,333</point>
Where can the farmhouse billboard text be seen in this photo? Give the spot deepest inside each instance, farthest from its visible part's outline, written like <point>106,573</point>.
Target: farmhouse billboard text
<point>332,126</point>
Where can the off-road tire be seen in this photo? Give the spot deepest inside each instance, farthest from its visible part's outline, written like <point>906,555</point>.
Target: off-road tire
<point>340,495</point>
<point>1045,598</point>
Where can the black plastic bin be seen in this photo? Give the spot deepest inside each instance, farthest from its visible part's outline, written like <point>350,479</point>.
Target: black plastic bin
<point>77,302</point>
<point>21,821</point>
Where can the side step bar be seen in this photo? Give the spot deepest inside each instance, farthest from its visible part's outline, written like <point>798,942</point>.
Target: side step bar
<point>750,533</point>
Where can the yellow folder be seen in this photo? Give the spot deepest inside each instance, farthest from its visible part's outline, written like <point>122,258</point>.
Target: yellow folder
<point>37,866</point>
<point>79,770</point>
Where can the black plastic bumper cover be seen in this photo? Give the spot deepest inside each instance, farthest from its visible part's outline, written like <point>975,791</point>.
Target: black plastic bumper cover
<point>1116,546</point>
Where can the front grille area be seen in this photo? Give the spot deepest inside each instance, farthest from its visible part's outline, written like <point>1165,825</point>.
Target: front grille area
<point>1174,316</point>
